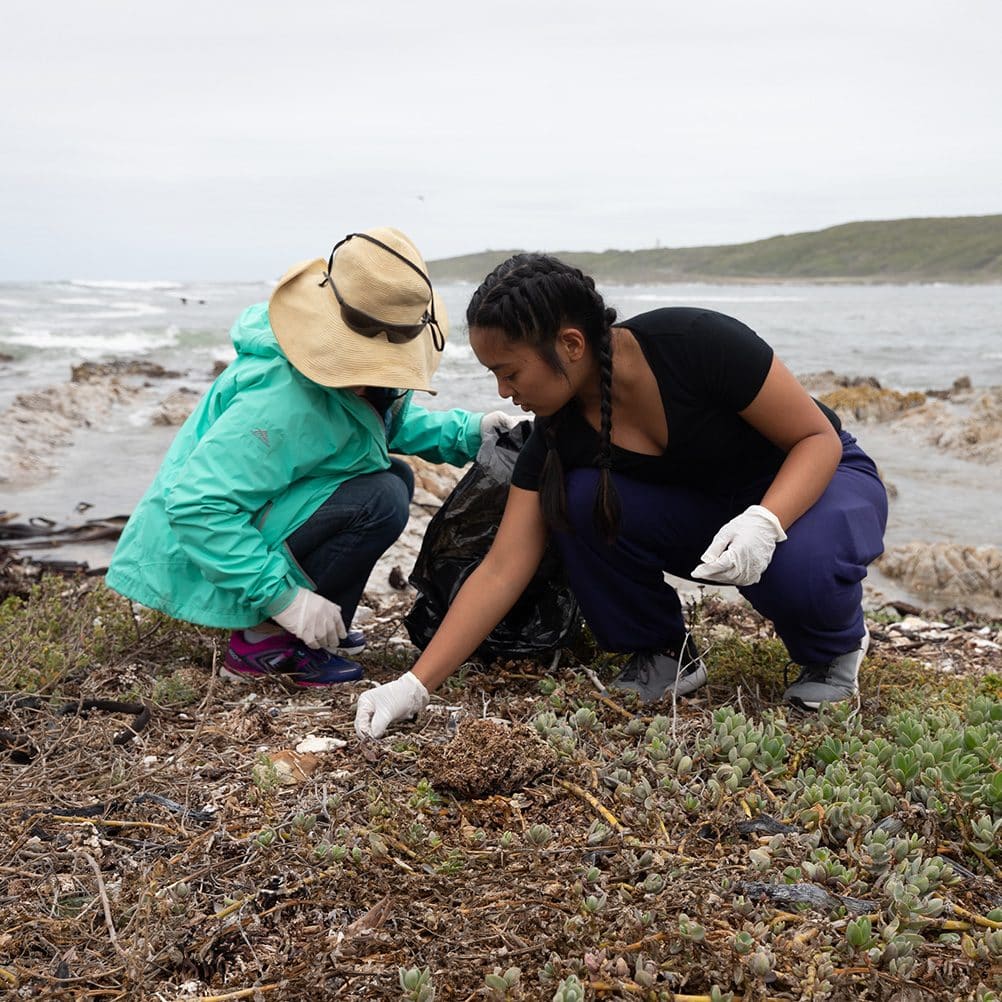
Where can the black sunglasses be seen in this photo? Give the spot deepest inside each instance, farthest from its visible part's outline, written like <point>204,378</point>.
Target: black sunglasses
<point>368,326</point>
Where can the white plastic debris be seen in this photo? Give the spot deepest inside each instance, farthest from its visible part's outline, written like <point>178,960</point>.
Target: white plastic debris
<point>311,743</point>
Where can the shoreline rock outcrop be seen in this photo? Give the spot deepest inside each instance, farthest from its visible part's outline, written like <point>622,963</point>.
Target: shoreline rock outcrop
<point>40,423</point>
<point>948,573</point>
<point>963,420</point>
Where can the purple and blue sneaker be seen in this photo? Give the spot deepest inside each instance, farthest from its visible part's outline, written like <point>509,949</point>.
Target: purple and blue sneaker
<point>289,660</point>
<point>354,643</point>
<point>315,668</point>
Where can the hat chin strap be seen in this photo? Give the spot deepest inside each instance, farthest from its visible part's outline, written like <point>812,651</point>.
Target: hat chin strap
<point>437,337</point>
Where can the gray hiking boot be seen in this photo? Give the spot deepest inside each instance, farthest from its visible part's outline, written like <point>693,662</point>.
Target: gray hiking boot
<point>654,676</point>
<point>837,680</point>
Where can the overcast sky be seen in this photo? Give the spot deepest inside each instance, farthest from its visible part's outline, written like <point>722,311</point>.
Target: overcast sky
<point>226,140</point>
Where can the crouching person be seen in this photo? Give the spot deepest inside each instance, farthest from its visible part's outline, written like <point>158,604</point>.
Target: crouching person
<point>673,442</point>
<point>279,494</point>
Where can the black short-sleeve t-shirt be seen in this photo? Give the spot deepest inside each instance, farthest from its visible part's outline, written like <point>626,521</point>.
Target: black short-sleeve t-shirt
<point>708,367</point>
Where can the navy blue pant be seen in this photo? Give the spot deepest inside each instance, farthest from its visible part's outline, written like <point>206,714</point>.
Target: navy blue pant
<point>812,590</point>
<point>341,541</point>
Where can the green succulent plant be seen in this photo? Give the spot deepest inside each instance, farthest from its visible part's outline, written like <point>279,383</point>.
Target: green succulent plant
<point>569,990</point>
<point>416,984</point>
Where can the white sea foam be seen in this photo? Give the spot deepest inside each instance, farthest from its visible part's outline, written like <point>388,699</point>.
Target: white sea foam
<point>460,350</point>
<point>127,286</point>
<point>710,298</point>
<point>142,417</point>
<point>138,309</point>
<point>116,311</point>
<point>21,334</point>
<point>119,342</point>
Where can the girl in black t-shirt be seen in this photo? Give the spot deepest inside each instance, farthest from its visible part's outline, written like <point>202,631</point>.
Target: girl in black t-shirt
<point>672,442</point>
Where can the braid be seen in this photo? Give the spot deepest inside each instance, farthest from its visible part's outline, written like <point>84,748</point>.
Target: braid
<point>530,297</point>
<point>607,509</point>
<point>552,492</point>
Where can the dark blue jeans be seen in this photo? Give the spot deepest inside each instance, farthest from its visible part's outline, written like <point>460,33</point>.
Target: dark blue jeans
<point>812,590</point>
<point>341,541</point>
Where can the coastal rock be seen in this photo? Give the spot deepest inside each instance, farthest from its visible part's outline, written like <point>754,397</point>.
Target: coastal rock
<point>968,424</point>
<point>828,381</point>
<point>89,372</point>
<point>39,423</point>
<point>870,403</point>
<point>960,384</point>
<point>174,409</point>
<point>436,479</point>
<point>962,420</point>
<point>970,575</point>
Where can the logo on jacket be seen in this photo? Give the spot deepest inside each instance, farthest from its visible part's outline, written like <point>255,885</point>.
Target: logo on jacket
<point>262,434</point>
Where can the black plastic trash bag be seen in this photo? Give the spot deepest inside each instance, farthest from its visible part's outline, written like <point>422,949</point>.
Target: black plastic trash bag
<point>458,537</point>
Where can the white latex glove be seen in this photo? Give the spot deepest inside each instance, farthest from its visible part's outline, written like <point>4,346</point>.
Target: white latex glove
<point>741,549</point>
<point>314,619</point>
<point>496,422</point>
<point>389,703</point>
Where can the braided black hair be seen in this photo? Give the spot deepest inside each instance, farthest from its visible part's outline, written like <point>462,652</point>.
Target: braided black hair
<point>530,297</point>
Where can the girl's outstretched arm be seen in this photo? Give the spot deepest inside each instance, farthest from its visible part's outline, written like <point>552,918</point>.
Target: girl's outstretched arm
<point>490,591</point>
<point>487,594</point>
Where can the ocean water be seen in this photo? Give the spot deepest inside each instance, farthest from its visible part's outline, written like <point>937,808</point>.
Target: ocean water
<point>909,337</point>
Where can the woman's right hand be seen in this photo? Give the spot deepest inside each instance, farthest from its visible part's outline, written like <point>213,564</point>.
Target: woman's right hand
<point>314,619</point>
<point>388,704</point>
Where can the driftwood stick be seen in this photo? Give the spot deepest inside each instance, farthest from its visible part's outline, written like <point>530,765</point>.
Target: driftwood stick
<point>102,892</point>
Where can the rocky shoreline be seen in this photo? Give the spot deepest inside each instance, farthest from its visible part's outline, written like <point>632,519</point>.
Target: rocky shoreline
<point>964,421</point>
<point>42,423</point>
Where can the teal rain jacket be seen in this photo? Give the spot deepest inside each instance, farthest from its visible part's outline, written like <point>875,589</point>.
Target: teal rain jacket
<point>262,451</point>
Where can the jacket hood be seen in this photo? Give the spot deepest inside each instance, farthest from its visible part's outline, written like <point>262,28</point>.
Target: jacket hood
<point>252,333</point>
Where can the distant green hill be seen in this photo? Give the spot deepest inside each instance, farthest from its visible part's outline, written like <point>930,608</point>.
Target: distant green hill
<point>958,249</point>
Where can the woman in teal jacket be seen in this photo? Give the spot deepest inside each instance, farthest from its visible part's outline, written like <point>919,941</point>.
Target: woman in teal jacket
<point>278,494</point>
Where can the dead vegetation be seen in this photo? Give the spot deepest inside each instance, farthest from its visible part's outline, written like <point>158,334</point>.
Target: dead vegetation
<point>531,837</point>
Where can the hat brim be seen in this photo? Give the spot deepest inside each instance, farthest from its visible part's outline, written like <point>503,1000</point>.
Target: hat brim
<point>306,320</point>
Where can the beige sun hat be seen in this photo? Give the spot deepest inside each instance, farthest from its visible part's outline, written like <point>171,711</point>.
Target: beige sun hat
<point>367,316</point>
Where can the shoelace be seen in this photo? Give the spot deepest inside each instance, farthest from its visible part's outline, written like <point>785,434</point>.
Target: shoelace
<point>304,658</point>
